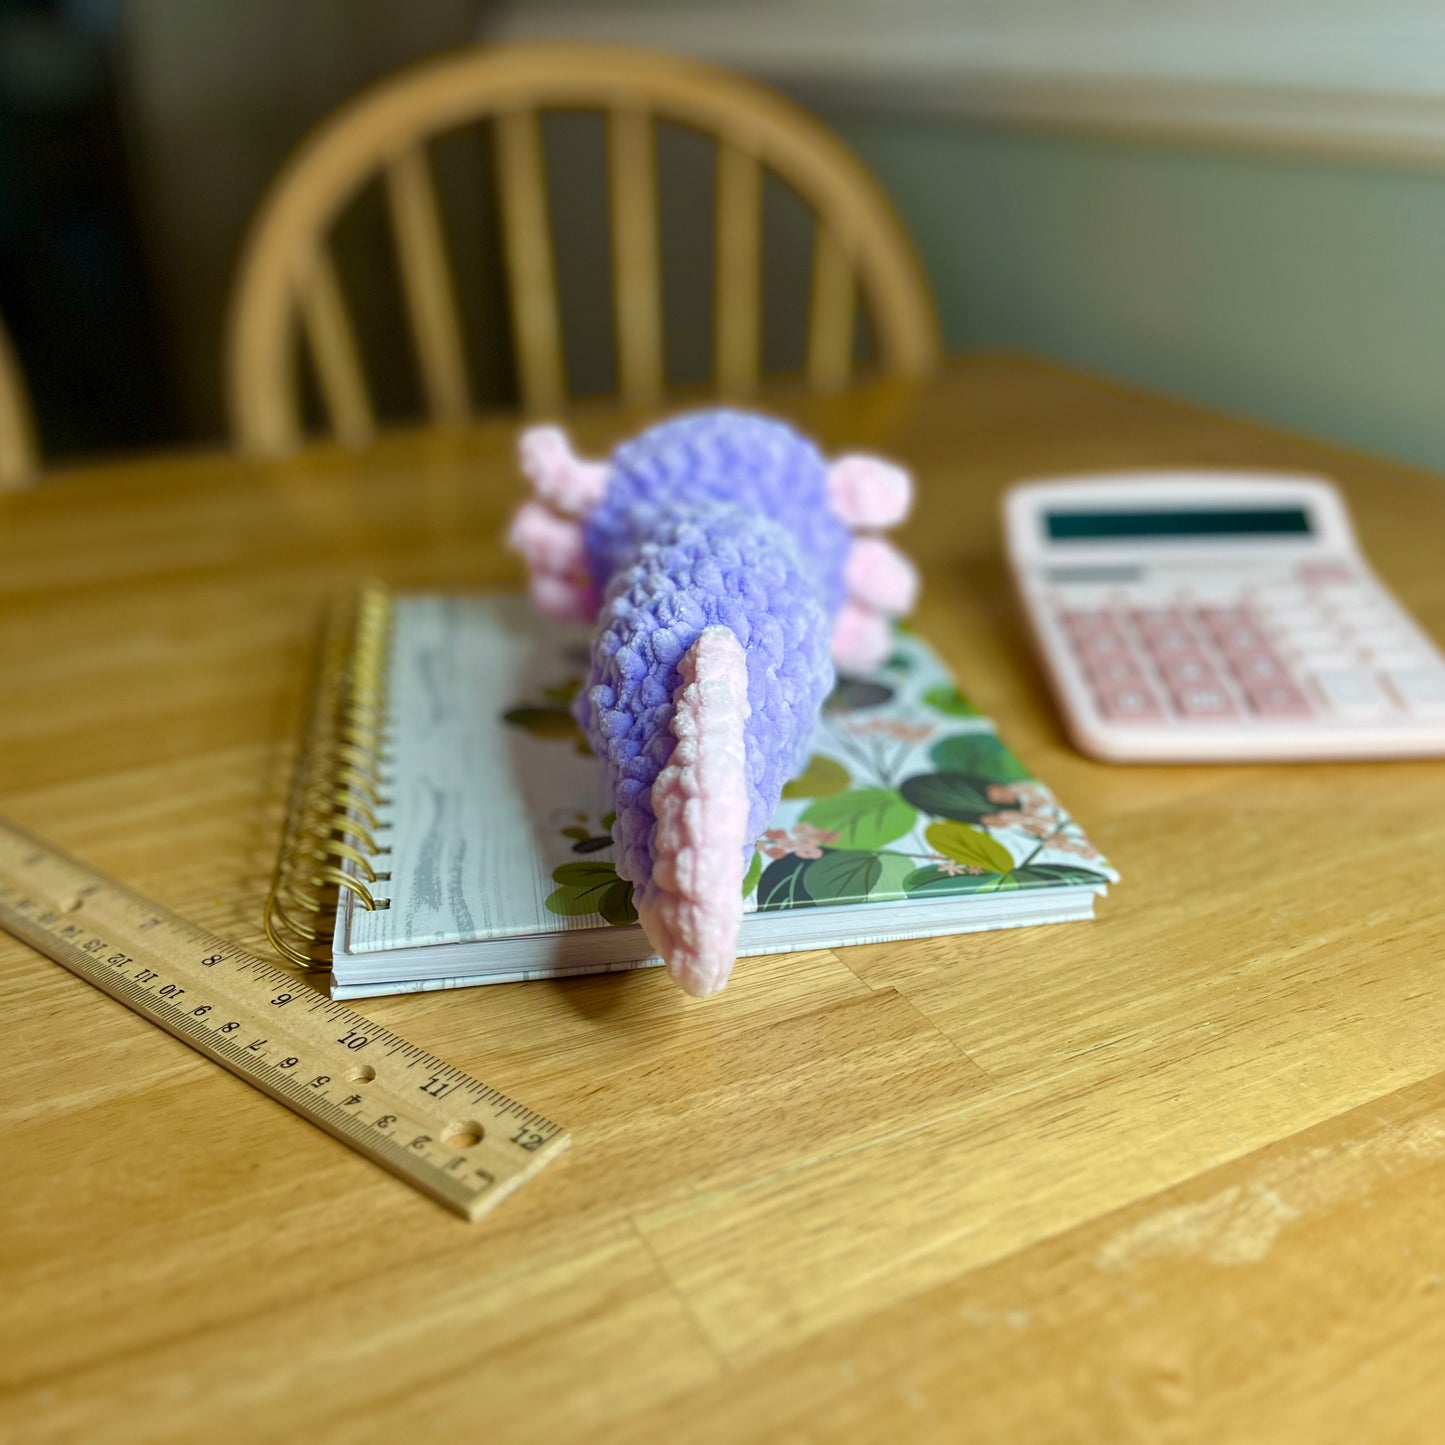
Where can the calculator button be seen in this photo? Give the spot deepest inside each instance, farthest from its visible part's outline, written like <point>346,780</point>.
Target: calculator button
<point>1311,619</point>
<point>1259,668</point>
<point>1326,573</point>
<point>1299,619</point>
<point>1423,690</point>
<point>1391,642</point>
<point>1078,623</point>
<point>1382,636</point>
<point>1360,601</point>
<point>1082,626</point>
<point>1103,643</point>
<point>1108,672</point>
<point>1198,598</point>
<point>1221,619</point>
<point>1356,599</point>
<point>1130,704</point>
<point>1319,641</point>
<point>1192,669</point>
<point>1280,600</point>
<point>1282,699</point>
<point>1351,690</point>
<point>1328,659</point>
<point>1171,642</point>
<point>1401,659</point>
<point>1203,702</point>
<point>1234,641</point>
<point>1153,620</point>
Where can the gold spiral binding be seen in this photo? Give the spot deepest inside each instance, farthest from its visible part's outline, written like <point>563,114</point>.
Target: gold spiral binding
<point>330,844</point>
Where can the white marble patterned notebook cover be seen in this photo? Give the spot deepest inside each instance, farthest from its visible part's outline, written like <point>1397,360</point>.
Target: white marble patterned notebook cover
<point>499,816</point>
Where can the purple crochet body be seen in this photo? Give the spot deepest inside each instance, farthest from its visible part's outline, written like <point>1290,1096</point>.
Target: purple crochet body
<point>720,518</point>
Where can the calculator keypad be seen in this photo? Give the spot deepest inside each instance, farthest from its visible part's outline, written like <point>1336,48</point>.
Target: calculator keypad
<point>1320,643</point>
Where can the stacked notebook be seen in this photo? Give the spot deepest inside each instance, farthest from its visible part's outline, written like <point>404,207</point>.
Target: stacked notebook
<point>450,813</point>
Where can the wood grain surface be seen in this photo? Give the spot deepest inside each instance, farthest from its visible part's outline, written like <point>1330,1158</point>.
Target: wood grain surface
<point>1174,1175</point>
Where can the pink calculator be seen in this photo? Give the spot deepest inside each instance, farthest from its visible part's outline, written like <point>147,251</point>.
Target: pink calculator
<point>1218,616</point>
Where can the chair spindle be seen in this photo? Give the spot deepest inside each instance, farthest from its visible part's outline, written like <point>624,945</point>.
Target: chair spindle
<point>830,319</point>
<point>738,301</point>
<point>637,273</point>
<point>334,351</point>
<point>17,434</point>
<point>538,332</point>
<point>427,279</point>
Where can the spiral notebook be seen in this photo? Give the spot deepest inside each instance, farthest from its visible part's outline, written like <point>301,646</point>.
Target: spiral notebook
<point>449,826</point>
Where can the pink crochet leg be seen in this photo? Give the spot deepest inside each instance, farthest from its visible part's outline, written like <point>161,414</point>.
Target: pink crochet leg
<point>869,494</point>
<point>548,533</point>
<point>692,906</point>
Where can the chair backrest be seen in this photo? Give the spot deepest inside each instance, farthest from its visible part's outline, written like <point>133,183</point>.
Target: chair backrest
<point>860,249</point>
<point>18,460</point>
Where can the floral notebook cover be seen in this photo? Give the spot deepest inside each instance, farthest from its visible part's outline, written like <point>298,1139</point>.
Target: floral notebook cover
<point>500,823</point>
<point>909,792</point>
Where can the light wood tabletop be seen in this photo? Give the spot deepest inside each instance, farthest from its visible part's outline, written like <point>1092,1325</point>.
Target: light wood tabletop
<point>1173,1174</point>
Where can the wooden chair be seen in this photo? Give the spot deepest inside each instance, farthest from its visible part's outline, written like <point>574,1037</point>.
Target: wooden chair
<point>860,249</point>
<point>18,460</point>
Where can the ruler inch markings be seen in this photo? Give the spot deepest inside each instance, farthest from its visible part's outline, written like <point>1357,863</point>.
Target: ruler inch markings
<point>212,995</point>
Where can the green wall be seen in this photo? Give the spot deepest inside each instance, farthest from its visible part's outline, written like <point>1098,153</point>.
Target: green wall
<point>1301,292</point>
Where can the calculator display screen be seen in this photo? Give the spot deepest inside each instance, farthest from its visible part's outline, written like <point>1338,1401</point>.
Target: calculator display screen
<point>1098,525</point>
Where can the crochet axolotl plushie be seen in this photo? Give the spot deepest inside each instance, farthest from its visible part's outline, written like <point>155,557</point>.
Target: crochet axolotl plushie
<point>728,568</point>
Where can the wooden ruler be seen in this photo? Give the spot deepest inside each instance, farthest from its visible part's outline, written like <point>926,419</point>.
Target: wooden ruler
<point>462,1142</point>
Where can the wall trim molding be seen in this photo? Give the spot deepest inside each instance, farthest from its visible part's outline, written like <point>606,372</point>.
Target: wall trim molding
<point>1348,126</point>
<point>1259,74</point>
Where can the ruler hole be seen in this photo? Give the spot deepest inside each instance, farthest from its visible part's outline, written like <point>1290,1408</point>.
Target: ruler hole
<point>463,1135</point>
<point>361,1074</point>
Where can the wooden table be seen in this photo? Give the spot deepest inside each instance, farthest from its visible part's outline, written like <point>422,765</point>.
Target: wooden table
<point>1176,1174</point>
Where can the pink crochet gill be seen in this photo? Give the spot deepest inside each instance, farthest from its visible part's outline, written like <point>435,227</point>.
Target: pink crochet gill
<point>693,905</point>
<point>861,639</point>
<point>557,558</point>
<point>562,479</point>
<point>869,493</point>
<point>879,576</point>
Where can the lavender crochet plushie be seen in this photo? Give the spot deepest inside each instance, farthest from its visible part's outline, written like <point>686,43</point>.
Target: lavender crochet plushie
<point>728,567</point>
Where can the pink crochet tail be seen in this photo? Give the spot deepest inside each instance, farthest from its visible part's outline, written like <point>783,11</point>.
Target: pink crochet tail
<point>548,531</point>
<point>871,496</point>
<point>692,906</point>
